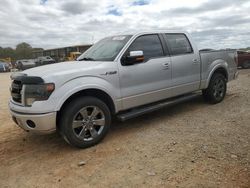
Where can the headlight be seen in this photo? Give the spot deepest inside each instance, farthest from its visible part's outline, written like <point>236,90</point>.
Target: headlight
<point>39,92</point>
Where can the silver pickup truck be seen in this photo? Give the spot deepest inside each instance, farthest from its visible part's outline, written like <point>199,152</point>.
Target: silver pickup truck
<point>123,76</point>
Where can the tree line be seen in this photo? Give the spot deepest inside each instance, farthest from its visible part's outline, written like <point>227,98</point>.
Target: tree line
<point>22,51</point>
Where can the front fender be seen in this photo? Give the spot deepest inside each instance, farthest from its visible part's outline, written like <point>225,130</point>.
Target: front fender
<point>78,84</point>
<point>61,94</point>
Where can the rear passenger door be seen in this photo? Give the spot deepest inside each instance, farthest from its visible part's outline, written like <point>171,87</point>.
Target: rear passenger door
<point>185,63</point>
<point>148,81</point>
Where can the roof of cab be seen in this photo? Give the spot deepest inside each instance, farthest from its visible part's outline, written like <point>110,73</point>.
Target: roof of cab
<point>153,32</point>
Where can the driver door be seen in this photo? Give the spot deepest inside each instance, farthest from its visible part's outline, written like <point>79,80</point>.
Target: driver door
<point>150,80</point>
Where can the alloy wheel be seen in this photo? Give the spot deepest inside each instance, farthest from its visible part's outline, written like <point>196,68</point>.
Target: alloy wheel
<point>88,123</point>
<point>218,89</point>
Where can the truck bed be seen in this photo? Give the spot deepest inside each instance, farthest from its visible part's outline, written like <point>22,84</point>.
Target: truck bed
<point>209,57</point>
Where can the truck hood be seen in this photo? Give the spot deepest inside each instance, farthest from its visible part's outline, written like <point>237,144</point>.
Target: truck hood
<point>62,72</point>
<point>62,68</point>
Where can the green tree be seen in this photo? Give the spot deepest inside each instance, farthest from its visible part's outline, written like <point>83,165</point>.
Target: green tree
<point>8,52</point>
<point>23,51</point>
<point>1,52</point>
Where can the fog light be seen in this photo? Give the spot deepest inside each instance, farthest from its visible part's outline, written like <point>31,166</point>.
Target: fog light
<point>31,124</point>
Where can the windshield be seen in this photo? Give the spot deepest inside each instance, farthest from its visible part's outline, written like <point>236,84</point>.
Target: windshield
<point>106,49</point>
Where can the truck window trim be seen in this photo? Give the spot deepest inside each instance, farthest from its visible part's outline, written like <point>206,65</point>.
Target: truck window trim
<point>168,46</point>
<point>164,45</point>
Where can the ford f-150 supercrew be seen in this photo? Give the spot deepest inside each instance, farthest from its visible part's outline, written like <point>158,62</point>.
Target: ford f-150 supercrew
<point>123,76</point>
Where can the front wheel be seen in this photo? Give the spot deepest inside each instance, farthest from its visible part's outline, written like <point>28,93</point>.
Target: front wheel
<point>85,121</point>
<point>216,90</point>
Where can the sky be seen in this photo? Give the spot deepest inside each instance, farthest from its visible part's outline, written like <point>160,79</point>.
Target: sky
<point>57,23</point>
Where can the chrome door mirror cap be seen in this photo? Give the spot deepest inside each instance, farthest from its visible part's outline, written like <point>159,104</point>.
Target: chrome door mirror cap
<point>135,53</point>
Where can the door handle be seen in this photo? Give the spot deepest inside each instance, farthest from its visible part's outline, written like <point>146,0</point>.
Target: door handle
<point>165,65</point>
<point>195,61</point>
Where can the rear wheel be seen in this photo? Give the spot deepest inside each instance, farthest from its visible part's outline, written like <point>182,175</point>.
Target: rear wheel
<point>85,122</point>
<point>216,90</point>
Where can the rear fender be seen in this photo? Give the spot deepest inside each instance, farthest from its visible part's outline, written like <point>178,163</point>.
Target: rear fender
<point>218,64</point>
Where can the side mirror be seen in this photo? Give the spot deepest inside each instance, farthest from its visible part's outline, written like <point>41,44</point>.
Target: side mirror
<point>134,57</point>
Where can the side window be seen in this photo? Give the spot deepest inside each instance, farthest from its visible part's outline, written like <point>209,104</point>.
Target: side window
<point>178,44</point>
<point>149,44</point>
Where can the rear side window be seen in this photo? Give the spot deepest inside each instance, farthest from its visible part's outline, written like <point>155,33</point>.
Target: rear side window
<point>149,44</point>
<point>178,44</point>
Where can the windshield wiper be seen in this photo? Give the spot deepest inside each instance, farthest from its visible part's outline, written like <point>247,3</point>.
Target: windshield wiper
<point>86,59</point>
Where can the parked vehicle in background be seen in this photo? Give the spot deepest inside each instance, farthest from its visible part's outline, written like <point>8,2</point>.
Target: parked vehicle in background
<point>24,64</point>
<point>6,60</point>
<point>73,56</point>
<point>8,66</point>
<point>243,59</point>
<point>8,63</point>
<point>44,60</point>
<point>4,67</point>
<point>123,76</point>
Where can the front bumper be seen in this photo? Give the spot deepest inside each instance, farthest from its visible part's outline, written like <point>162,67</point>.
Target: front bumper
<point>38,123</point>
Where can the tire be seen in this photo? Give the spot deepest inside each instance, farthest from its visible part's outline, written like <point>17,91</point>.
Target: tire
<point>92,119</point>
<point>216,90</point>
<point>246,65</point>
<point>20,66</point>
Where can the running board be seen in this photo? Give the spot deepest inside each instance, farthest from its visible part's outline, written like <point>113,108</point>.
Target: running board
<point>155,106</point>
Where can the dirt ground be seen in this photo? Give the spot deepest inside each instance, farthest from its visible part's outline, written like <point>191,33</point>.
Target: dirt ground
<point>193,144</point>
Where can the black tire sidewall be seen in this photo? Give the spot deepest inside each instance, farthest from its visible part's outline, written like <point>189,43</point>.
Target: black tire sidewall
<point>67,117</point>
<point>209,91</point>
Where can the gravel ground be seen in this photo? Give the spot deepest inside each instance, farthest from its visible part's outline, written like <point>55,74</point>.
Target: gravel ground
<point>193,144</point>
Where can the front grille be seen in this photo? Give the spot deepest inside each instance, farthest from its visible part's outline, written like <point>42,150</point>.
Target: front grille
<point>16,88</point>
